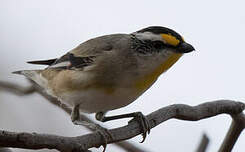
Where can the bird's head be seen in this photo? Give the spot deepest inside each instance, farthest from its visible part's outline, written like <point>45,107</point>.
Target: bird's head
<point>158,48</point>
<point>164,38</point>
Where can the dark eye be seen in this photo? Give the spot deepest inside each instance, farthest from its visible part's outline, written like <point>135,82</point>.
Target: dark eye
<point>158,44</point>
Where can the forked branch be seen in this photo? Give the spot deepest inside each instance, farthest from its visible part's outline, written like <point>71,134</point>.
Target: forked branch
<point>82,143</point>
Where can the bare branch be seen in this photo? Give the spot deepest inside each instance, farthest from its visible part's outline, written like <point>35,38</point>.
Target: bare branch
<point>16,89</point>
<point>38,141</point>
<point>203,144</point>
<point>5,149</point>
<point>178,111</point>
<point>237,126</point>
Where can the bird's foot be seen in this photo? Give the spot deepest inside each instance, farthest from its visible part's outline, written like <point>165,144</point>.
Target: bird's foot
<point>105,134</point>
<point>144,123</point>
<point>75,115</point>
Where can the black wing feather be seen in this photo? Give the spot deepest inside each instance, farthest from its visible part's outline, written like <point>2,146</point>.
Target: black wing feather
<point>43,62</point>
<point>72,62</point>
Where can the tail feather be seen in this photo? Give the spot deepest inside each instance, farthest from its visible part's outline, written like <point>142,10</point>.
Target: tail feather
<point>34,75</point>
<point>17,72</point>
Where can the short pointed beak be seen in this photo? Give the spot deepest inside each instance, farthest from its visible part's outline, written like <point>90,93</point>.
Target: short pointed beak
<point>185,48</point>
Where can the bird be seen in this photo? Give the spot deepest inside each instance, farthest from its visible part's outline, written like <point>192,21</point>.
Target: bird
<point>110,72</point>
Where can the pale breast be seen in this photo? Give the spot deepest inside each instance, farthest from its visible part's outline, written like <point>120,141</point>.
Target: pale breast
<point>96,100</point>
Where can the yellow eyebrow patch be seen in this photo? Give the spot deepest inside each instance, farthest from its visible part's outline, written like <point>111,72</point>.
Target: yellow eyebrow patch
<point>170,39</point>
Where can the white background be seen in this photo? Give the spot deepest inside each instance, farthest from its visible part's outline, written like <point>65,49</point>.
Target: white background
<point>31,30</point>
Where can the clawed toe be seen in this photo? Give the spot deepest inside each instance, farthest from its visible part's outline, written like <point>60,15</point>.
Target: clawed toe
<point>105,134</point>
<point>144,123</point>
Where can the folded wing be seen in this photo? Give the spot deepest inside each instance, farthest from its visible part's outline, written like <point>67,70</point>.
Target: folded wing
<point>68,61</point>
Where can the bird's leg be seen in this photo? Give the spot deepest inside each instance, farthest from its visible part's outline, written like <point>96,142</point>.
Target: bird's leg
<point>138,116</point>
<point>76,119</point>
<point>75,114</point>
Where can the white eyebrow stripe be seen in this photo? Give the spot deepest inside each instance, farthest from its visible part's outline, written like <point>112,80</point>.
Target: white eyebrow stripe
<point>149,36</point>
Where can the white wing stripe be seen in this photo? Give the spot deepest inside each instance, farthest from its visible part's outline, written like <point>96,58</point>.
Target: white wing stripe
<point>61,64</point>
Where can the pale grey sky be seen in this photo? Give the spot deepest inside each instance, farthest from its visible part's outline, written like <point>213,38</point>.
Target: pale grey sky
<point>46,29</point>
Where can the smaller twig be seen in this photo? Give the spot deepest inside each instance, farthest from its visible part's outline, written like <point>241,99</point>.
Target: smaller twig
<point>5,149</point>
<point>17,89</point>
<point>203,144</point>
<point>237,126</point>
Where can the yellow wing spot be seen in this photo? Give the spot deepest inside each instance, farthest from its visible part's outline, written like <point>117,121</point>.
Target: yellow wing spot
<point>170,39</point>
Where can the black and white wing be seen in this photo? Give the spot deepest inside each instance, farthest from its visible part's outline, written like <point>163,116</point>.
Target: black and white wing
<point>68,61</point>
